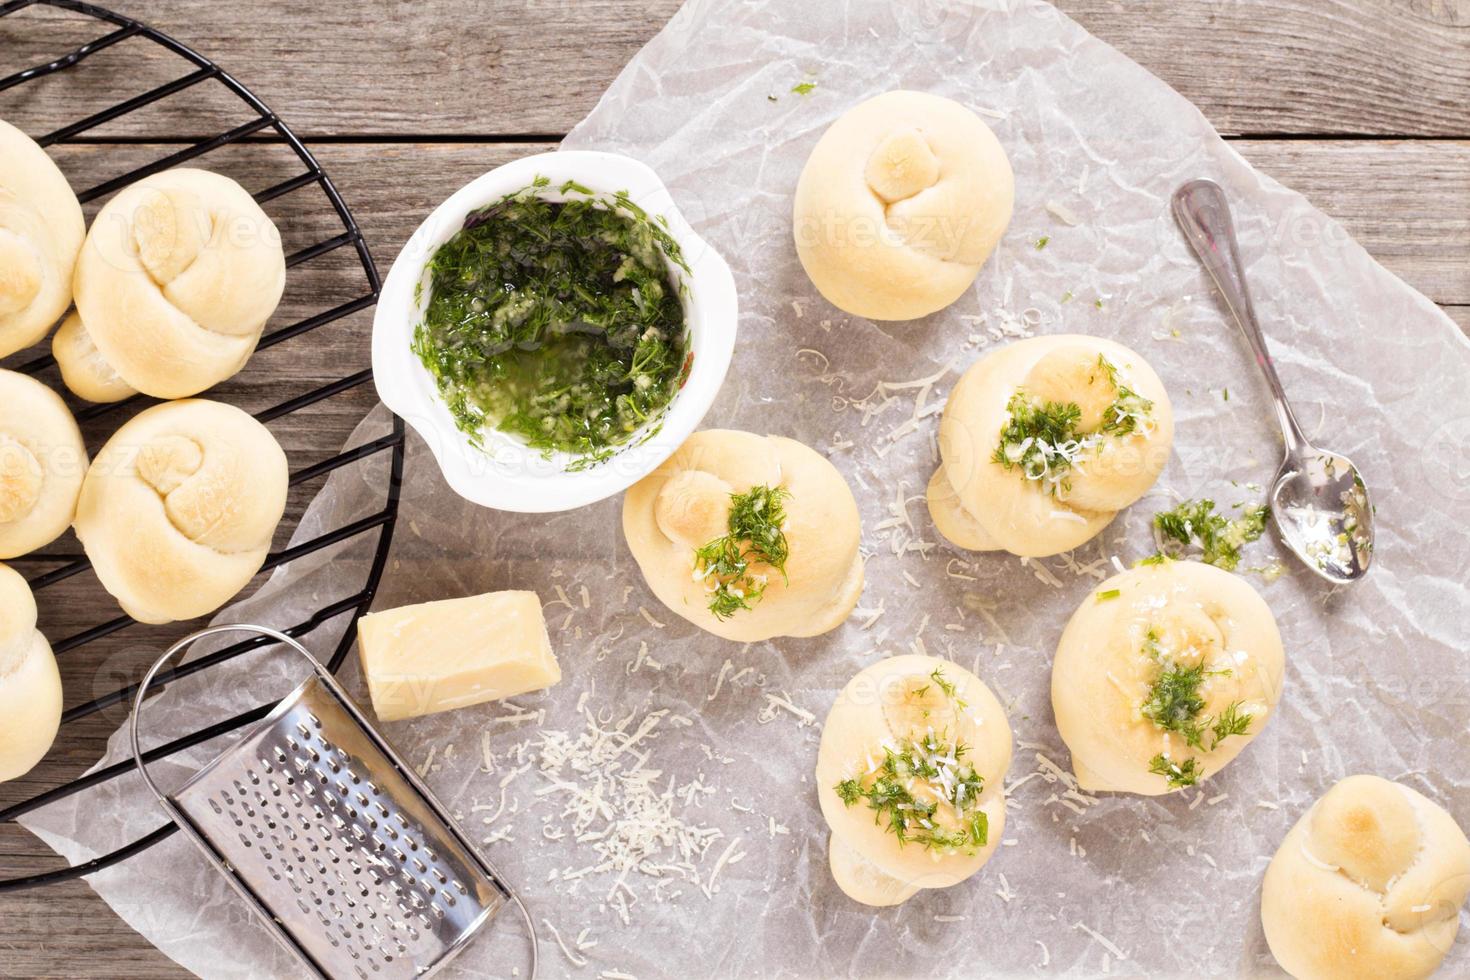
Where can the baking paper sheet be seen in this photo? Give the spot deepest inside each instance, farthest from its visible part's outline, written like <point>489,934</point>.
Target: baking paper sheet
<point>1164,886</point>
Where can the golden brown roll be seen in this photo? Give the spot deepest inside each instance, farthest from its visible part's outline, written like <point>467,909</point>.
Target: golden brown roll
<point>178,510</point>
<point>1043,441</point>
<point>910,777</point>
<point>900,203</point>
<point>30,686</point>
<point>41,231</point>
<point>1368,885</point>
<point>42,462</point>
<point>177,278</point>
<point>797,572</point>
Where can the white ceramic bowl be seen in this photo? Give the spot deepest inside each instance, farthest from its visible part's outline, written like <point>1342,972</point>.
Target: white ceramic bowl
<point>506,474</point>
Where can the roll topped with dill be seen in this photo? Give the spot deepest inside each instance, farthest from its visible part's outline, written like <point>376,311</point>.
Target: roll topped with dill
<point>910,778</point>
<point>748,537</point>
<point>558,322</point>
<point>1164,675</point>
<point>1044,441</point>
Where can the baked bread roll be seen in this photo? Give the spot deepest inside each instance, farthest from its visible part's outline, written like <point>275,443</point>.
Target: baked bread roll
<point>176,280</point>
<point>902,200</point>
<point>42,462</point>
<point>1163,675</point>
<point>30,686</point>
<point>1044,441</point>
<point>748,537</point>
<point>41,231</point>
<point>910,777</point>
<point>178,510</point>
<point>1369,884</point>
<point>84,370</point>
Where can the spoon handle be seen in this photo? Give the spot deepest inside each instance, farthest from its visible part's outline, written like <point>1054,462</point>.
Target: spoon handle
<point>1204,214</point>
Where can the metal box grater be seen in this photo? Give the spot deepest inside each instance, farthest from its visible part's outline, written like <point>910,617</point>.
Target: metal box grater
<point>332,838</point>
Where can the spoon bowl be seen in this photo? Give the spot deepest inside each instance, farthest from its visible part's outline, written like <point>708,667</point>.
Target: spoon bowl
<point>1320,507</point>
<point>1319,503</point>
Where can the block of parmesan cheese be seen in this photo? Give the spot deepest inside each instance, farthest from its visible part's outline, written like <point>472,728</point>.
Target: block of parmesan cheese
<point>437,656</point>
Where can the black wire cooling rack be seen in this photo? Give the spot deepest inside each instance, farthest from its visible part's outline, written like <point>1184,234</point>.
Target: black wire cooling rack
<point>263,122</point>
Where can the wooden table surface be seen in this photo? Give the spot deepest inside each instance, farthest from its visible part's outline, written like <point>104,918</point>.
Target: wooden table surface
<point>1359,104</point>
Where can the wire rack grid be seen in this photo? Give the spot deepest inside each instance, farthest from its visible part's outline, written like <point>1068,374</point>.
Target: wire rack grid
<point>272,131</point>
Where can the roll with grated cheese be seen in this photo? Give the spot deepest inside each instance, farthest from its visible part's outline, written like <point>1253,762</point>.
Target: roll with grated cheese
<point>748,537</point>
<point>1044,441</point>
<point>910,778</point>
<point>1163,676</point>
<point>1368,885</point>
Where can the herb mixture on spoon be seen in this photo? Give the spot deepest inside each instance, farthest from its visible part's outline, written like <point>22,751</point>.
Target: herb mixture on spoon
<point>557,322</point>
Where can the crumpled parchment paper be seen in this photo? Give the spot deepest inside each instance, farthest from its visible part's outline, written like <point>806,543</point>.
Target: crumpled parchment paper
<point>1165,886</point>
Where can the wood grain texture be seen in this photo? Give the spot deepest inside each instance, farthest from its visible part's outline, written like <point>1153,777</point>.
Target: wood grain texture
<point>1381,67</point>
<point>401,96</point>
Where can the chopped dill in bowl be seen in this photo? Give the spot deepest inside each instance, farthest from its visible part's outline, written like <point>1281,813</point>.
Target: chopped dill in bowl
<point>557,322</point>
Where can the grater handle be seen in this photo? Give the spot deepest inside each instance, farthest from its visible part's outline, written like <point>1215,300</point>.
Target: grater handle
<point>158,665</point>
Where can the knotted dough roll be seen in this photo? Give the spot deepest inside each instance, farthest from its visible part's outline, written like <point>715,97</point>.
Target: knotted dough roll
<point>910,778</point>
<point>1163,675</point>
<point>1044,441</point>
<point>42,462</point>
<point>1368,885</point>
<point>748,537</point>
<point>178,277</point>
<point>41,231</point>
<point>30,686</point>
<point>178,510</point>
<point>902,200</point>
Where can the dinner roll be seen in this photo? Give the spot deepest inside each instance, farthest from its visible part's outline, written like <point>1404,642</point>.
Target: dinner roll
<point>910,778</point>
<point>902,200</point>
<point>1369,884</point>
<point>30,687</point>
<point>176,280</point>
<point>41,231</point>
<point>178,510</point>
<point>1042,442</point>
<point>1163,675</point>
<point>83,369</point>
<point>42,461</point>
<point>748,537</point>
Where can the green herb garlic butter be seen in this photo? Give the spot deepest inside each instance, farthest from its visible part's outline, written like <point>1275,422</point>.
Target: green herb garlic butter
<point>557,322</point>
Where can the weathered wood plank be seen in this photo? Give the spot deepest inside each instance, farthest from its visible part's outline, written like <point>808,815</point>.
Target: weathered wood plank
<point>1406,202</point>
<point>392,67</point>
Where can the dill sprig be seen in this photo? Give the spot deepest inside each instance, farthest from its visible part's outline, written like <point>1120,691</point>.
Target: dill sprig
<point>1179,774</point>
<point>1219,538</point>
<point>1128,407</point>
<point>1175,704</point>
<point>1045,439</point>
<point>911,819</point>
<point>949,778</point>
<point>754,535</point>
<point>946,686</point>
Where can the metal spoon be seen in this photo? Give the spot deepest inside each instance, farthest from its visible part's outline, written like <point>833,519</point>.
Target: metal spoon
<point>1318,502</point>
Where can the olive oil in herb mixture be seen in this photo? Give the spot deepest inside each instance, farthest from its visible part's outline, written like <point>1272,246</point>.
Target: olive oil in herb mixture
<point>557,322</point>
